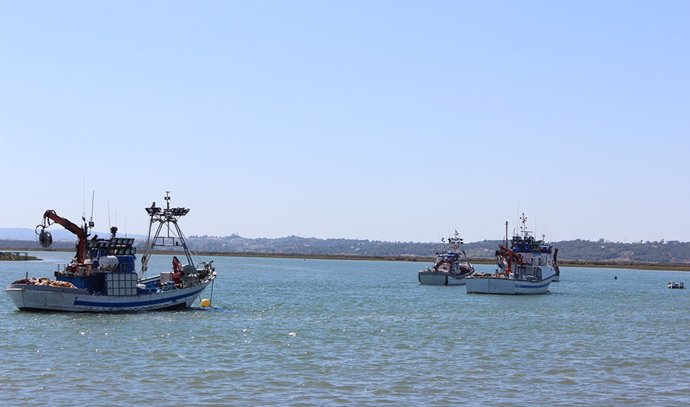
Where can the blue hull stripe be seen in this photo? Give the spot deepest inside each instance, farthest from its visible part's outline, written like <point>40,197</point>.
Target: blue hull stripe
<point>136,303</point>
<point>532,286</point>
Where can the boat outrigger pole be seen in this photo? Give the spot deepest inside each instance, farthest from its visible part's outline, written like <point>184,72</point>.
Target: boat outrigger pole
<point>165,216</point>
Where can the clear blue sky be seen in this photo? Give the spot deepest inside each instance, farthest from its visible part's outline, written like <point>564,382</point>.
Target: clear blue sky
<point>387,120</point>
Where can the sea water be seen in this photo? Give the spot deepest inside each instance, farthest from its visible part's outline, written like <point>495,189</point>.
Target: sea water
<point>295,332</point>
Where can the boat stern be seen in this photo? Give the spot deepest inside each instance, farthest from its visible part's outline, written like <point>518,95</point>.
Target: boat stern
<point>432,278</point>
<point>42,297</point>
<point>16,294</point>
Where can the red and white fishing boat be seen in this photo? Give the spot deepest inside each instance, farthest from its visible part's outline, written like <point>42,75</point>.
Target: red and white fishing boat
<point>527,267</point>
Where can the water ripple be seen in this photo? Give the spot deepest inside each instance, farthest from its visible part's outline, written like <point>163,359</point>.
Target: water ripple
<point>312,333</point>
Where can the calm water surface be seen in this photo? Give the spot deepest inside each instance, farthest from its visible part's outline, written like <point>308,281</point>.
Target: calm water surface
<point>320,332</point>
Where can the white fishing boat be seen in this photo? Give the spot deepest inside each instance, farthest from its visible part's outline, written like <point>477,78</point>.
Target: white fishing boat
<point>451,266</point>
<point>527,267</point>
<point>102,275</point>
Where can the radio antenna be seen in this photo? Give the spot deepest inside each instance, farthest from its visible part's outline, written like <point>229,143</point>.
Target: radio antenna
<point>93,196</point>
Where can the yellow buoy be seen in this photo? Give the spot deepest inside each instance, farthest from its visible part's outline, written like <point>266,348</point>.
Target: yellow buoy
<point>205,302</point>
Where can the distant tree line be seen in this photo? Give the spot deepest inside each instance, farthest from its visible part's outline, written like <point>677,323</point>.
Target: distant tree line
<point>580,250</point>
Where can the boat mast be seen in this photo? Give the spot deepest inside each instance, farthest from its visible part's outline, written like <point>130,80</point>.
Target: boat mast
<point>174,237</point>
<point>523,228</point>
<point>455,242</point>
<point>506,242</point>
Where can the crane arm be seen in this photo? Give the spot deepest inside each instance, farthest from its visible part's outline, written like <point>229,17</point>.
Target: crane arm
<point>509,254</point>
<point>80,232</point>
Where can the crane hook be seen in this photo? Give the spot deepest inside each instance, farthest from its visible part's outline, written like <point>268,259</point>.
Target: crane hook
<point>44,237</point>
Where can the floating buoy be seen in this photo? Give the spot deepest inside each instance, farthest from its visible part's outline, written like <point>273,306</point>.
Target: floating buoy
<point>205,302</point>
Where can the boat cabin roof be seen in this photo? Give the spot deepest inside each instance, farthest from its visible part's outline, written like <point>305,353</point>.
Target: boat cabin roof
<point>528,244</point>
<point>115,246</point>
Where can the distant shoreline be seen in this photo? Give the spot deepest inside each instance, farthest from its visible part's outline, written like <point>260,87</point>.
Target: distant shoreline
<point>14,255</point>
<point>430,259</point>
<point>426,259</point>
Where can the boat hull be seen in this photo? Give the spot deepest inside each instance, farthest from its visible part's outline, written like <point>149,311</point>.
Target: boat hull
<point>440,278</point>
<point>557,275</point>
<point>507,286</point>
<point>32,297</point>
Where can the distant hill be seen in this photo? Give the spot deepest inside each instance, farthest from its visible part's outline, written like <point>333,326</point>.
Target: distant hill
<point>577,250</point>
<point>58,234</point>
<point>581,250</point>
<point>30,234</point>
<point>602,250</point>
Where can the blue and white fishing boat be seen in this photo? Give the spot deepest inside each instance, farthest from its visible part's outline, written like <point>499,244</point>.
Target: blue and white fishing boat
<point>527,267</point>
<point>102,275</point>
<point>451,266</point>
